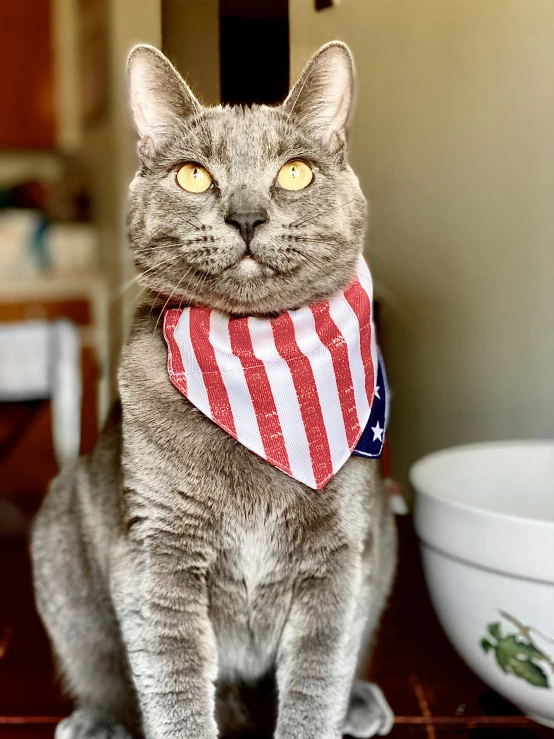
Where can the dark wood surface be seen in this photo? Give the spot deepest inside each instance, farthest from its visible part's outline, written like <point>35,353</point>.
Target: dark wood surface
<point>25,483</point>
<point>431,691</point>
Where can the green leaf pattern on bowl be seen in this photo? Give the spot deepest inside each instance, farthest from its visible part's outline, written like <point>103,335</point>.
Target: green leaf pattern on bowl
<point>516,653</point>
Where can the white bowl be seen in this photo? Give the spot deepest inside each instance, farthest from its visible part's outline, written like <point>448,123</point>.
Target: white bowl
<point>485,517</point>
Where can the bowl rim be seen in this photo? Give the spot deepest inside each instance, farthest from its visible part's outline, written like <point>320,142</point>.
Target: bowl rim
<point>415,477</point>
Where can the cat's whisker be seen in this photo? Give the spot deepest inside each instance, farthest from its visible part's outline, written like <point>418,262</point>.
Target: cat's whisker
<point>200,287</point>
<point>166,260</point>
<point>202,225</point>
<point>307,259</point>
<point>165,306</point>
<point>137,298</point>
<point>157,293</point>
<point>302,221</point>
<point>301,252</point>
<point>153,303</point>
<point>170,244</point>
<point>306,239</point>
<point>163,260</point>
<point>144,250</point>
<point>129,283</point>
<point>180,302</point>
<point>185,274</point>
<point>124,287</point>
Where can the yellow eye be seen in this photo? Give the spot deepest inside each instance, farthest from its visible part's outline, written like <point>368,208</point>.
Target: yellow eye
<point>194,178</point>
<point>295,175</point>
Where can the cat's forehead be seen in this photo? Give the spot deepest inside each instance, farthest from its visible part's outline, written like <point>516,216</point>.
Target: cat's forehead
<point>237,136</point>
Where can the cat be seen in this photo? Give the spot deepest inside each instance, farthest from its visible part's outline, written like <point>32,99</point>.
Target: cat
<point>176,572</point>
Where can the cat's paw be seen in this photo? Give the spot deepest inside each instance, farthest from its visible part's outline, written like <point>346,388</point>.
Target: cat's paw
<point>89,723</point>
<point>369,714</point>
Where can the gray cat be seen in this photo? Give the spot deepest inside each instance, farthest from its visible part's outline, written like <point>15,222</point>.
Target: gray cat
<point>176,572</point>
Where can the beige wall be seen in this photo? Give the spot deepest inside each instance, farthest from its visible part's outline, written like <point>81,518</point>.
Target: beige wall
<point>109,149</point>
<point>190,33</point>
<point>454,145</point>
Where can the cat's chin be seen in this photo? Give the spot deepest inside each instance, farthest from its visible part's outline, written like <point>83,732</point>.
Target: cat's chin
<point>249,268</point>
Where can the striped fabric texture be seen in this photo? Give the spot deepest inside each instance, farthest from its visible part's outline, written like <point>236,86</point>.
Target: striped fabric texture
<point>297,390</point>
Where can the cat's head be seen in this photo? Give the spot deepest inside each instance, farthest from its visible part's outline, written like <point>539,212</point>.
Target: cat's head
<point>248,210</point>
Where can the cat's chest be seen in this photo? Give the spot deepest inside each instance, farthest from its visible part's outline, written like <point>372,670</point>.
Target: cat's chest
<point>256,553</point>
<point>250,590</point>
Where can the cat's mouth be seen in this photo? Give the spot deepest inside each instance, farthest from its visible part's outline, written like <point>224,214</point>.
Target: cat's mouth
<point>249,267</point>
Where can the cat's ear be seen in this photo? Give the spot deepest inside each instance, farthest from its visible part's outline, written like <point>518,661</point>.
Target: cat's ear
<point>158,95</point>
<point>321,100</point>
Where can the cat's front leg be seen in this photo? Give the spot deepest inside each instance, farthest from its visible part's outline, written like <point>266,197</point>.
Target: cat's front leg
<point>317,653</point>
<point>162,604</point>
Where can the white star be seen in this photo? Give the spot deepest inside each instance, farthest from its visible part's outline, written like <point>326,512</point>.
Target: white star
<point>378,387</point>
<point>377,432</point>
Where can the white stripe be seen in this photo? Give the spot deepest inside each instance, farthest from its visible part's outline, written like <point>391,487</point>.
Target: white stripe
<point>345,318</point>
<point>196,390</point>
<point>362,270</point>
<point>232,373</point>
<point>366,282</point>
<point>326,382</point>
<point>286,401</point>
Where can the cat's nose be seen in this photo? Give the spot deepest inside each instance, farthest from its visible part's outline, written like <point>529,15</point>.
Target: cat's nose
<point>247,222</point>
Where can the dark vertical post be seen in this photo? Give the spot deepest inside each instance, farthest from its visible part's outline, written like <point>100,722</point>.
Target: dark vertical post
<point>254,51</point>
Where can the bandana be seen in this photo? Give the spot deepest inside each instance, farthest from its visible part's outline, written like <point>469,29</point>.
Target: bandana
<point>303,391</point>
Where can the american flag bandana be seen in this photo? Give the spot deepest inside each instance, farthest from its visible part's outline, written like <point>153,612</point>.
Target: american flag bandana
<point>301,390</point>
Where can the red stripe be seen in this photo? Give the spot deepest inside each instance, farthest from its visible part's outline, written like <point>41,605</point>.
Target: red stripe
<point>332,338</point>
<point>261,394</point>
<point>218,397</point>
<point>359,301</point>
<point>308,398</point>
<point>174,360</point>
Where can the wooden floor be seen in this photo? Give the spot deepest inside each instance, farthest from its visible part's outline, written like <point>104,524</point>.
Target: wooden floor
<point>430,690</point>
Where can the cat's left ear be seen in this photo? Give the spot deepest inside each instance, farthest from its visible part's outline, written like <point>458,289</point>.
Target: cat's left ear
<point>159,97</point>
<point>321,100</point>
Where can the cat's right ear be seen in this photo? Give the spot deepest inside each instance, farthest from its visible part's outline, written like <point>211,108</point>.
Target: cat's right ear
<point>159,97</point>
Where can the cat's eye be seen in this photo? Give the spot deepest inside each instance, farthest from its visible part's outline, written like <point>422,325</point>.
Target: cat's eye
<point>194,178</point>
<point>295,175</point>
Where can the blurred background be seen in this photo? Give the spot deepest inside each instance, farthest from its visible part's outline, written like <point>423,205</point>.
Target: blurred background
<point>453,141</point>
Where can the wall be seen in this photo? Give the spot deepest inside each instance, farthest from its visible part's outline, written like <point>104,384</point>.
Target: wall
<point>453,141</point>
<point>109,149</point>
<point>190,31</point>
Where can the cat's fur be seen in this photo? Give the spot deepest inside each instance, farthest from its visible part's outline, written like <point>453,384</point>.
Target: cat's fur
<point>172,564</point>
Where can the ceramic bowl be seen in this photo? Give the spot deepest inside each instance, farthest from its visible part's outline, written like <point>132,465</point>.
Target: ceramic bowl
<point>485,518</point>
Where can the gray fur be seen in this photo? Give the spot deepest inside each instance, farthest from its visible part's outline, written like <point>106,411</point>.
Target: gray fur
<point>174,569</point>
